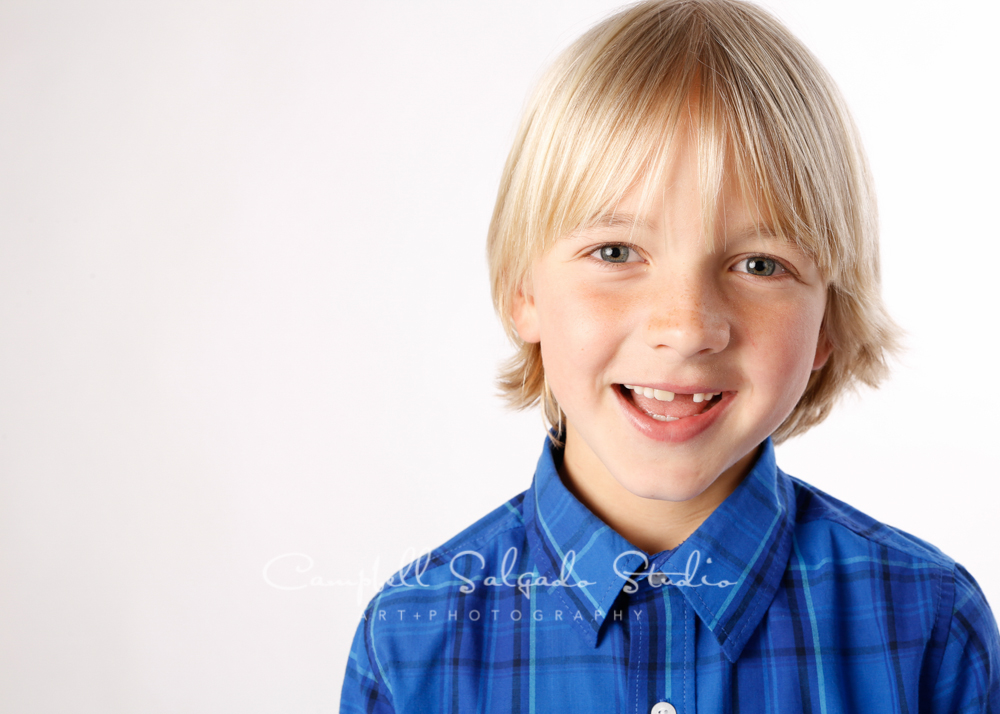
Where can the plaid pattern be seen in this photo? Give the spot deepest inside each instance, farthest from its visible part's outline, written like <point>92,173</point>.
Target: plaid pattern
<point>784,600</point>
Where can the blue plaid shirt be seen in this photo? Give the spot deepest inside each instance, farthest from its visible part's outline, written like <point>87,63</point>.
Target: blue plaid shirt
<point>784,600</point>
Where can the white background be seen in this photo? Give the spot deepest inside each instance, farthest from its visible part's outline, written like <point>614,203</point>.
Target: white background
<point>244,312</point>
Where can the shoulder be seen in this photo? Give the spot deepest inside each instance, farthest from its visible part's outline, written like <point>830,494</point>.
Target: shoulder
<point>848,554</point>
<point>433,580</point>
<point>501,528</point>
<point>920,596</point>
<point>409,623</point>
<point>834,539</point>
<point>819,514</point>
<point>502,523</point>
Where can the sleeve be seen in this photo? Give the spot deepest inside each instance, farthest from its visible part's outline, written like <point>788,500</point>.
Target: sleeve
<point>968,678</point>
<point>364,691</point>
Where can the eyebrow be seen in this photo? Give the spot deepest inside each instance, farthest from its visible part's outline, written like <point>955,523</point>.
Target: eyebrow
<point>753,231</point>
<point>613,220</point>
<point>628,220</point>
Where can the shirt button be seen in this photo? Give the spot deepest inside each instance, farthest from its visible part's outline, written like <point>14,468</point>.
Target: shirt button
<point>663,708</point>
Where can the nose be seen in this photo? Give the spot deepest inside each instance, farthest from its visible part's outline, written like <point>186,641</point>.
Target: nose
<point>688,319</point>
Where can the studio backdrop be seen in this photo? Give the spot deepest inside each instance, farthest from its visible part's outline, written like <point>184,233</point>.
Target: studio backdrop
<point>247,347</point>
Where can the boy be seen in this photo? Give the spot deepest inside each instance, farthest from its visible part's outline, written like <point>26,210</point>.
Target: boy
<point>684,250</point>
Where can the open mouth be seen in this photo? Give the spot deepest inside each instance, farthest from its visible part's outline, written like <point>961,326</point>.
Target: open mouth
<point>669,406</point>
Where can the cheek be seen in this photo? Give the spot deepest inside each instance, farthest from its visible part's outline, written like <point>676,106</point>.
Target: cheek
<point>581,330</point>
<point>579,319</point>
<point>782,346</point>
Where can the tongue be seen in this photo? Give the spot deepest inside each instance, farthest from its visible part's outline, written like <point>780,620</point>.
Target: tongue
<point>683,405</point>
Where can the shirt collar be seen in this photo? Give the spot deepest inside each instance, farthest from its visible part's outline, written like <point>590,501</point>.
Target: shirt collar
<point>728,570</point>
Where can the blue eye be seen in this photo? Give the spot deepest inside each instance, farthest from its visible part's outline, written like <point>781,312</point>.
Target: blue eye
<point>762,266</point>
<point>615,253</point>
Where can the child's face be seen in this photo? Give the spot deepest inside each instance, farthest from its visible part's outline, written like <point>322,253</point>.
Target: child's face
<point>742,321</point>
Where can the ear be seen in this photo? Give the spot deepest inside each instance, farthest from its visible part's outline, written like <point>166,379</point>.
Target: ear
<point>523,312</point>
<point>823,349</point>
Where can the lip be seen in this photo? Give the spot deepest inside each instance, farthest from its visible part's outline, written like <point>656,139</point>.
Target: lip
<point>672,432</point>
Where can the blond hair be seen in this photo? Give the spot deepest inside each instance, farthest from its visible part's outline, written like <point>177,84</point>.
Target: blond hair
<point>600,121</point>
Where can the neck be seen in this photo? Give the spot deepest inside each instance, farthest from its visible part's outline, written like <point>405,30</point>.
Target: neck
<point>650,524</point>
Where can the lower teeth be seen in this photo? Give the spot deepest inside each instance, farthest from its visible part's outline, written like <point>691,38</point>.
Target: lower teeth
<point>710,403</point>
<point>663,418</point>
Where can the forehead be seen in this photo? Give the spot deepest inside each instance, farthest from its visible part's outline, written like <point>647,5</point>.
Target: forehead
<point>743,231</point>
<point>676,196</point>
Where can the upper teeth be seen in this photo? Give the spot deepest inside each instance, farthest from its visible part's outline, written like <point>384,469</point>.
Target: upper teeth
<point>664,396</point>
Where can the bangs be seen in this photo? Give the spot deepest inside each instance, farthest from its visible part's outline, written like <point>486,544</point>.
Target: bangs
<point>762,109</point>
